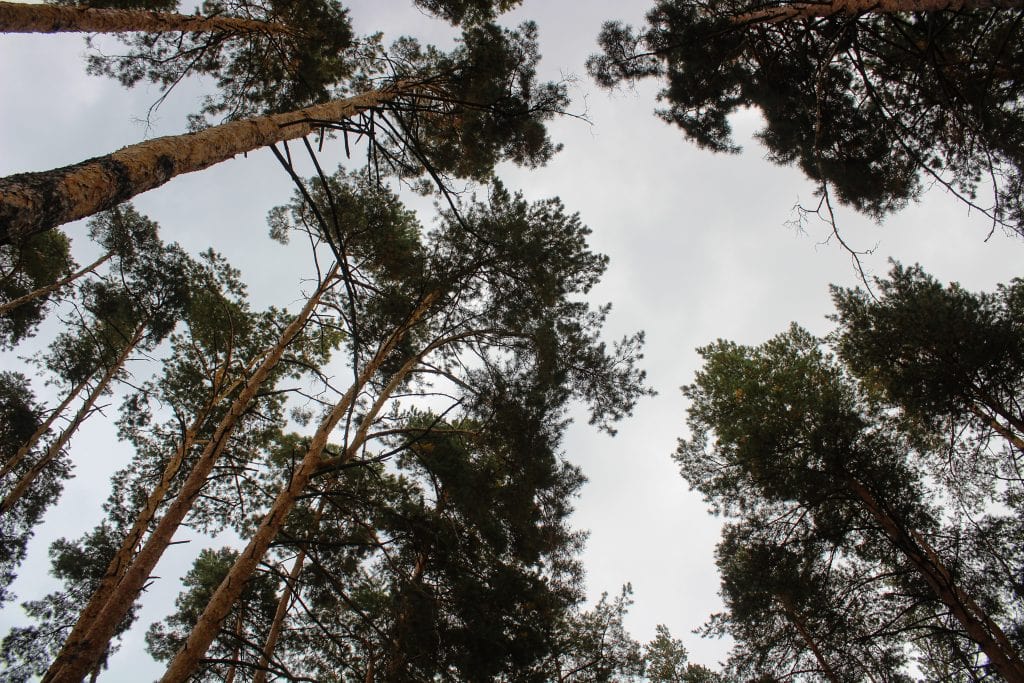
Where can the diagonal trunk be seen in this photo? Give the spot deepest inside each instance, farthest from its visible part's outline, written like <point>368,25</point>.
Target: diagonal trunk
<point>787,608</point>
<point>55,448</point>
<point>998,427</point>
<point>810,10</point>
<point>122,559</point>
<point>205,630</point>
<point>975,621</point>
<point>22,453</point>
<point>43,291</point>
<point>31,203</point>
<point>277,625</point>
<point>79,656</point>
<point>17,17</point>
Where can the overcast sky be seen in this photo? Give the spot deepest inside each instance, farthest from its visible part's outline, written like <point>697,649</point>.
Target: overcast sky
<point>700,249</point>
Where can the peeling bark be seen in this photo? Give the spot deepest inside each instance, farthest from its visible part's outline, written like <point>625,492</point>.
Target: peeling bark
<point>812,10</point>
<point>18,17</point>
<point>31,203</point>
<point>122,559</point>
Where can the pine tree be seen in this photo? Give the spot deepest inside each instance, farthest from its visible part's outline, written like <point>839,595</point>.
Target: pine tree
<point>871,101</point>
<point>782,423</point>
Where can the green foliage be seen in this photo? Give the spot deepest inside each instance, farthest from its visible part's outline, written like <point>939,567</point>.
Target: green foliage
<point>841,476</point>
<point>256,72</point>
<point>251,614</point>
<point>27,651</point>
<point>24,268</point>
<point>20,417</point>
<point>489,107</point>
<point>467,11</point>
<point>873,105</point>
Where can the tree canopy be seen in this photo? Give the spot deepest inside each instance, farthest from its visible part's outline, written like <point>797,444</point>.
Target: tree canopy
<point>873,101</point>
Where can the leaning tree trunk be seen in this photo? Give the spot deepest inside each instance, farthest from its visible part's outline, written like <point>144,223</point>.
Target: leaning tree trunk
<point>79,656</point>
<point>786,603</point>
<point>43,291</point>
<point>31,203</point>
<point>122,559</point>
<point>810,10</point>
<point>975,621</point>
<point>15,460</point>
<point>55,448</point>
<point>206,629</point>
<point>17,17</point>
<point>281,613</point>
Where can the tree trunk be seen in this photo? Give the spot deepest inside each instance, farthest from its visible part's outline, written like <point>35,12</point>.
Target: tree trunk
<point>976,623</point>
<point>18,457</point>
<point>122,559</point>
<point>277,625</point>
<point>208,625</point>
<point>31,203</point>
<point>12,498</point>
<point>787,608</point>
<point>17,17</point>
<point>810,10</point>
<point>79,656</point>
<point>43,291</point>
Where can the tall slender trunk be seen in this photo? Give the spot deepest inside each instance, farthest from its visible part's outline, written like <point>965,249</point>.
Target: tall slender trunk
<point>22,452</point>
<point>80,655</point>
<point>55,448</point>
<point>277,625</point>
<point>31,203</point>
<point>205,630</point>
<point>975,621</point>
<point>998,427</point>
<point>122,559</point>
<point>17,17</point>
<point>233,670</point>
<point>43,291</point>
<point>787,608</point>
<point>809,10</point>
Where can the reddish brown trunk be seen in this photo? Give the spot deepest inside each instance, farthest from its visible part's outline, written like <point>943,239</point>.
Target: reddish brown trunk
<point>805,634</point>
<point>205,630</point>
<point>809,10</point>
<point>43,291</point>
<point>57,446</point>
<point>123,557</point>
<point>17,17</point>
<point>975,621</point>
<point>80,656</point>
<point>31,203</point>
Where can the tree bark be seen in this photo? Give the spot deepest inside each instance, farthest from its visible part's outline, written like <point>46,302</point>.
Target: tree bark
<point>79,656</point>
<point>811,10</point>
<point>208,625</point>
<point>31,203</point>
<point>122,559</point>
<point>18,17</point>
<point>43,291</point>
<point>976,623</point>
<point>12,498</point>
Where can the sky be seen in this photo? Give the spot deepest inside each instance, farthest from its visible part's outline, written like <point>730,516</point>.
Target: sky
<point>702,246</point>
